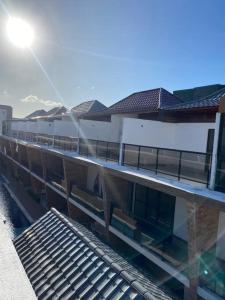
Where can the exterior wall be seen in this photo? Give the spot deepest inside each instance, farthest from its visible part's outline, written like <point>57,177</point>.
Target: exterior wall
<point>32,127</point>
<point>102,131</point>
<point>221,237</point>
<point>180,219</point>
<point>65,128</point>
<point>45,127</point>
<point>181,136</point>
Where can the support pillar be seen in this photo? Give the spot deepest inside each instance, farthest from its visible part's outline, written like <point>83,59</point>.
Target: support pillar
<point>202,235</point>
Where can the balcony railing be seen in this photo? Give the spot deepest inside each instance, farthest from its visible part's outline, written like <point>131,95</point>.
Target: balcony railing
<point>166,245</point>
<point>56,178</point>
<point>193,166</point>
<point>100,149</point>
<point>65,143</point>
<point>89,200</point>
<point>185,165</point>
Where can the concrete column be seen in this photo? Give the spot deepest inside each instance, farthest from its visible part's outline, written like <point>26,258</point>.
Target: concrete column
<point>202,235</point>
<point>214,154</point>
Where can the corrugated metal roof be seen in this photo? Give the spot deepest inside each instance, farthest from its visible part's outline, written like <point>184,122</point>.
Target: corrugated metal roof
<point>62,263</point>
<point>212,100</point>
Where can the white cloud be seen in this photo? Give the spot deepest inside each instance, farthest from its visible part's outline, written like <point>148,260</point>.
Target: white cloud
<point>35,99</point>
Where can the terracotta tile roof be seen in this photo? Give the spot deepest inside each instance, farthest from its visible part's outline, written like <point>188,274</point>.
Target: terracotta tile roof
<point>64,263</point>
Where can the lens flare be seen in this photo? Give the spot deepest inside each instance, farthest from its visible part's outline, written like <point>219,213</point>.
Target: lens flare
<point>20,33</point>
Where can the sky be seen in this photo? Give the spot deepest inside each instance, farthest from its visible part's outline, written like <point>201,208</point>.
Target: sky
<point>108,49</point>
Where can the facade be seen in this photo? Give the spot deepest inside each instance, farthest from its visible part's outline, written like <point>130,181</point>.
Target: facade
<point>146,174</point>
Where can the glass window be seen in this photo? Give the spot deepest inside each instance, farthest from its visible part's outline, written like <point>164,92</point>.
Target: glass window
<point>140,201</point>
<point>131,155</point>
<point>166,210</point>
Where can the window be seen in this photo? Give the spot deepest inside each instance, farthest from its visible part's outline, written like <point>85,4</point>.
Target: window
<point>154,207</point>
<point>210,140</point>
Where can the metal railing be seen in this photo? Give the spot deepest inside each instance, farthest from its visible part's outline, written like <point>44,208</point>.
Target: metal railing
<point>108,151</point>
<point>60,142</point>
<point>193,166</point>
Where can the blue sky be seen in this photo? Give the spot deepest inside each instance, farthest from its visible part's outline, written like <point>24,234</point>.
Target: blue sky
<point>107,49</point>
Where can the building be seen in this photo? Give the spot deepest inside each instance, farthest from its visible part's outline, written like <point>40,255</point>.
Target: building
<point>147,172</point>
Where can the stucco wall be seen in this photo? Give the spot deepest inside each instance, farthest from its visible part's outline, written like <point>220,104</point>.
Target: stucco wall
<point>182,136</point>
<point>45,127</point>
<point>102,131</point>
<point>65,128</point>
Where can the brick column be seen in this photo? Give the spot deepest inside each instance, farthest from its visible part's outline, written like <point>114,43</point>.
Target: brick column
<point>202,235</point>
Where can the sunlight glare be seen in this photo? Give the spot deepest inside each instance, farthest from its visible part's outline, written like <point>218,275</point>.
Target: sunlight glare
<point>20,32</point>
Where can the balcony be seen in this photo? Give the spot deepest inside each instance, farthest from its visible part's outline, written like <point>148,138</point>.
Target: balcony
<point>65,143</point>
<point>37,169</point>
<point>100,149</point>
<point>153,237</point>
<point>181,165</point>
<point>89,200</point>
<point>56,179</point>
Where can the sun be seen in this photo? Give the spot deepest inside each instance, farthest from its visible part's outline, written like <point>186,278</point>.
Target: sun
<point>20,33</point>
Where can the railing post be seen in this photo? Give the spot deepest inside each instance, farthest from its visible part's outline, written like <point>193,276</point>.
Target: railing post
<point>138,164</point>
<point>157,161</point>
<point>107,150</point>
<point>179,167</point>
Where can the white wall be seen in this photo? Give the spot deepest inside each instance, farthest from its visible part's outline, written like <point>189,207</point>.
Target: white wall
<point>32,126</point>
<point>65,128</point>
<point>221,237</point>
<point>102,131</point>
<point>181,136</point>
<point>45,127</point>
<point>180,219</point>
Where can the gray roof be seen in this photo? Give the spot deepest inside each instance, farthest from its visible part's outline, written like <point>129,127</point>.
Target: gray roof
<point>37,113</point>
<point>142,102</point>
<point>212,100</point>
<point>92,106</point>
<point>63,263</point>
